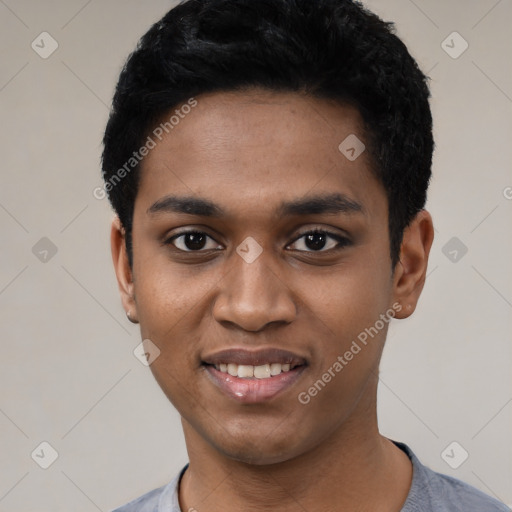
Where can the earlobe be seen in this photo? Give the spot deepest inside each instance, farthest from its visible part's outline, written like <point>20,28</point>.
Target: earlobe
<point>411,270</point>
<point>122,268</point>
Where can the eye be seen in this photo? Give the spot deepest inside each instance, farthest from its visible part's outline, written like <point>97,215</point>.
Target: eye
<point>191,241</point>
<point>317,240</point>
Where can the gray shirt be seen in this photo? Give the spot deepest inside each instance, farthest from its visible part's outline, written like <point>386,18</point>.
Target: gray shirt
<point>429,492</point>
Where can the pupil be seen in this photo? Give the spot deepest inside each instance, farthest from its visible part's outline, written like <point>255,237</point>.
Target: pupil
<point>194,240</point>
<point>316,244</point>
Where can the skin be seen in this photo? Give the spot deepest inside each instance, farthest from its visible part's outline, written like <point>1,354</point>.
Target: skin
<point>247,152</point>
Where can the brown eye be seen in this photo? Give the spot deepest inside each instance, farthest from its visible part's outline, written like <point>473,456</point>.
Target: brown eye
<point>191,241</point>
<point>321,241</point>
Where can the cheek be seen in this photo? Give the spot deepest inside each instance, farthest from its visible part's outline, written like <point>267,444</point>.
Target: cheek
<point>351,299</point>
<point>350,330</point>
<point>167,294</point>
<point>172,315</point>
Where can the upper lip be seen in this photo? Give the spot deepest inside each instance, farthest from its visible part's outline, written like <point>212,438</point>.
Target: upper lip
<point>254,357</point>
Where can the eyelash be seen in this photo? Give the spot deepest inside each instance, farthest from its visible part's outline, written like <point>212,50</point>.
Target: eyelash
<point>342,241</point>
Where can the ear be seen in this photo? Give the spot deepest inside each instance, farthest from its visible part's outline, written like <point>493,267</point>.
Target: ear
<point>122,268</point>
<point>411,270</point>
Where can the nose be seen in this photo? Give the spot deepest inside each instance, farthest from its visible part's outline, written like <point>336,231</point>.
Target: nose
<point>253,295</point>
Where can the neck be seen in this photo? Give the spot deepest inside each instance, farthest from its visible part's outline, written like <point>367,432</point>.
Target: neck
<point>355,468</point>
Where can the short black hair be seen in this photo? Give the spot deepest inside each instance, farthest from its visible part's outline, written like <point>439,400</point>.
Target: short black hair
<point>332,49</point>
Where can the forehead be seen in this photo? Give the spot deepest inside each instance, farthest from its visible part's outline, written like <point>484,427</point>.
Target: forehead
<point>260,146</point>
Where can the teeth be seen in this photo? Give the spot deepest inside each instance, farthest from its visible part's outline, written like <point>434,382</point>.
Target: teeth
<point>262,372</point>
<point>275,368</point>
<point>246,371</point>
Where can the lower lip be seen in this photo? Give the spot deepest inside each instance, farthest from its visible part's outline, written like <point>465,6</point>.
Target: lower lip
<point>252,390</point>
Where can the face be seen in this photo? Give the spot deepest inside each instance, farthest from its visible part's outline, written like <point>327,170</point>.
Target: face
<point>258,244</point>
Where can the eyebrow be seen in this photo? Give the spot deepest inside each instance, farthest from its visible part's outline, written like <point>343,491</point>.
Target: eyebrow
<point>332,204</point>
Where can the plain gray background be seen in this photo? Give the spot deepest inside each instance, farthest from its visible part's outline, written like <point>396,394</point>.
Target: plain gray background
<point>68,375</point>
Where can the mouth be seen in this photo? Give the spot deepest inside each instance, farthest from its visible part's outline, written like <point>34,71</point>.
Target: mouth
<point>253,376</point>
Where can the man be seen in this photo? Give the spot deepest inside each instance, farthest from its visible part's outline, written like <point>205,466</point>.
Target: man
<point>268,161</point>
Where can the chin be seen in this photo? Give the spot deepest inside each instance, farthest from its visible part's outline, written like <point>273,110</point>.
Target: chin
<point>260,451</point>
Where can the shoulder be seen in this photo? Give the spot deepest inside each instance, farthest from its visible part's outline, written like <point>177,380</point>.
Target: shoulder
<point>161,499</point>
<point>146,503</point>
<point>431,491</point>
<point>466,497</point>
